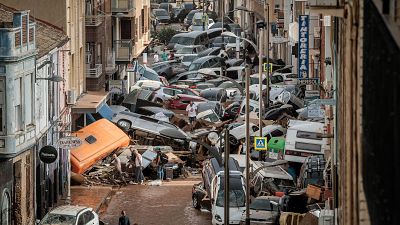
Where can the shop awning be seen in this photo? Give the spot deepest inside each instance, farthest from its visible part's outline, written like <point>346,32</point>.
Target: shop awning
<point>90,102</point>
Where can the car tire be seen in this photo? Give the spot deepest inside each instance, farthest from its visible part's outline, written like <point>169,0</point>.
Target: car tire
<point>195,202</point>
<point>159,101</point>
<point>124,124</point>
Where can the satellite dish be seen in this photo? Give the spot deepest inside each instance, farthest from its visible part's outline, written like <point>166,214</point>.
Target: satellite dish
<point>213,137</point>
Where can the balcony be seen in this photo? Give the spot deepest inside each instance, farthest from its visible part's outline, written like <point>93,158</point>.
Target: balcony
<point>123,51</point>
<point>94,20</point>
<point>94,72</point>
<point>123,6</point>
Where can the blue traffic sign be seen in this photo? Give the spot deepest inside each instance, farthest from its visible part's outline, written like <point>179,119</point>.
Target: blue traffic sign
<point>260,143</point>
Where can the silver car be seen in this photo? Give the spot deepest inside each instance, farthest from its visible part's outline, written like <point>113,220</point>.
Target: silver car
<point>134,121</point>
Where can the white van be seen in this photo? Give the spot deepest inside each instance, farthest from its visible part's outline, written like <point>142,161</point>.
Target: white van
<point>303,139</point>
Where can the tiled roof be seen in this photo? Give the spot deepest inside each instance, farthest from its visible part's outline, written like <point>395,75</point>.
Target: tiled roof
<point>48,37</point>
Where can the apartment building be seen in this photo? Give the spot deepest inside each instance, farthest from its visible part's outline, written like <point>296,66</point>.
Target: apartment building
<point>69,16</point>
<point>17,126</point>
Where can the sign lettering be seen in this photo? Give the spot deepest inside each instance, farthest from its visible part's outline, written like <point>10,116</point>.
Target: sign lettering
<point>303,66</point>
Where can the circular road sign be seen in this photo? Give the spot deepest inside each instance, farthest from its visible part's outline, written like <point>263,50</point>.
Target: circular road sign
<point>48,154</point>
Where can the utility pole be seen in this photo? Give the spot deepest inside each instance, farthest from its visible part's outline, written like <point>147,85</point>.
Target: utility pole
<point>260,98</point>
<point>247,146</point>
<point>226,180</point>
<point>203,18</point>
<point>266,33</point>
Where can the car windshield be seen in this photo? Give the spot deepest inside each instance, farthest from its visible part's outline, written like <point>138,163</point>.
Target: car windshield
<point>175,39</point>
<point>236,198</point>
<point>190,15</point>
<point>189,58</point>
<point>211,95</point>
<point>254,80</point>
<point>194,66</point>
<point>226,40</point>
<point>226,85</point>
<point>185,51</point>
<point>161,13</point>
<point>276,79</point>
<point>59,219</point>
<point>263,204</point>
<point>186,41</point>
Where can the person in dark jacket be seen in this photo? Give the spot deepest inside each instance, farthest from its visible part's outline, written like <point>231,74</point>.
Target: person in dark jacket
<point>123,219</point>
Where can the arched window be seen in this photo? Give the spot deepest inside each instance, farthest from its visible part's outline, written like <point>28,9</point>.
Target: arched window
<point>5,209</point>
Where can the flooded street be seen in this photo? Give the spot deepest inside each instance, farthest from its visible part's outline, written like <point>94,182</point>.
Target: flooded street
<point>170,203</point>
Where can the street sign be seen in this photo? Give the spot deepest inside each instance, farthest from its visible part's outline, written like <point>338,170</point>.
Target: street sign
<point>265,66</point>
<point>314,111</point>
<point>328,101</point>
<point>260,143</point>
<point>308,81</point>
<point>48,154</point>
<point>69,142</point>
<point>279,40</point>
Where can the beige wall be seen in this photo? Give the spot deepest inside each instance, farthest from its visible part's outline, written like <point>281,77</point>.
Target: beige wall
<point>69,15</point>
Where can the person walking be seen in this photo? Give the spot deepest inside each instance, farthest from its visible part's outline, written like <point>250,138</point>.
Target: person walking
<point>118,170</point>
<point>155,24</point>
<point>162,159</point>
<point>156,57</point>
<point>138,167</point>
<point>123,219</point>
<point>164,55</point>
<point>191,110</point>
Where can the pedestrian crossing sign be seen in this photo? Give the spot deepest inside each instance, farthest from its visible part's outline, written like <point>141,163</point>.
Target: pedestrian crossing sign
<point>260,143</point>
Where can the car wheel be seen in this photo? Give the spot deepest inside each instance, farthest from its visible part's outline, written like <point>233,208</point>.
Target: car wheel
<point>126,125</point>
<point>233,140</point>
<point>159,101</point>
<point>195,202</point>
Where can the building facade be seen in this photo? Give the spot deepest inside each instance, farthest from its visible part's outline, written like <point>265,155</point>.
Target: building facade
<point>69,16</point>
<point>17,133</point>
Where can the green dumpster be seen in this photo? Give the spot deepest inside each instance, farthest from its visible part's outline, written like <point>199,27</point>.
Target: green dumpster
<point>276,148</point>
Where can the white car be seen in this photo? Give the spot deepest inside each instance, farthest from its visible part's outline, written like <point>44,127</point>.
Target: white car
<point>164,94</point>
<point>147,84</point>
<point>71,215</point>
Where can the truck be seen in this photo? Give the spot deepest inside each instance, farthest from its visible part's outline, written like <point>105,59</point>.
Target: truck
<point>209,194</point>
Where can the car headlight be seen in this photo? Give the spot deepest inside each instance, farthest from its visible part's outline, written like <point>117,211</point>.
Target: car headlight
<point>218,218</point>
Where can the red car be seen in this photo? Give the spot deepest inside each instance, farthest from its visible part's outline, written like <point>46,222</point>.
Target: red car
<point>186,91</point>
<point>180,101</point>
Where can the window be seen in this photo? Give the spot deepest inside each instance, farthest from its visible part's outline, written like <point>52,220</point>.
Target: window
<point>88,216</point>
<point>2,104</point>
<point>168,91</point>
<point>17,103</point>
<point>308,146</point>
<point>276,133</point>
<point>308,135</point>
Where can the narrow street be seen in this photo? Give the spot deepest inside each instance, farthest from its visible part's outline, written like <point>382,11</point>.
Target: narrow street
<point>169,204</point>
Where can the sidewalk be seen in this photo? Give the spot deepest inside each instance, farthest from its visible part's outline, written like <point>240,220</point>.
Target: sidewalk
<point>93,197</point>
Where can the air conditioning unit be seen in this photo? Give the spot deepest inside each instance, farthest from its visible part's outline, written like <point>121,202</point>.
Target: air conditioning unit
<point>71,97</point>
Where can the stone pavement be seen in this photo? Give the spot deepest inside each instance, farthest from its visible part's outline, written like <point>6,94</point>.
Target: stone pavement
<point>93,197</point>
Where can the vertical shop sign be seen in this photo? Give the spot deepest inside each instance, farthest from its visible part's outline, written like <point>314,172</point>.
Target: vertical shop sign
<point>303,68</point>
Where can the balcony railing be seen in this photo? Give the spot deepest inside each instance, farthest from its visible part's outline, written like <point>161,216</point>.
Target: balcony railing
<point>122,5</point>
<point>123,50</point>
<point>94,72</point>
<point>94,20</point>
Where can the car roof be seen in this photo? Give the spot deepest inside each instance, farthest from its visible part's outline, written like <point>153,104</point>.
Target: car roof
<point>192,46</point>
<point>205,58</point>
<point>72,210</point>
<point>159,10</point>
<point>194,33</point>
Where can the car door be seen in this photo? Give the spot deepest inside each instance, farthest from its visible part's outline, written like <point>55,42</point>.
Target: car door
<point>91,218</point>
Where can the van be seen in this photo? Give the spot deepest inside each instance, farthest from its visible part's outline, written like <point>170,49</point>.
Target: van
<point>99,139</point>
<point>192,38</point>
<point>209,193</point>
<point>199,20</point>
<point>303,139</point>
